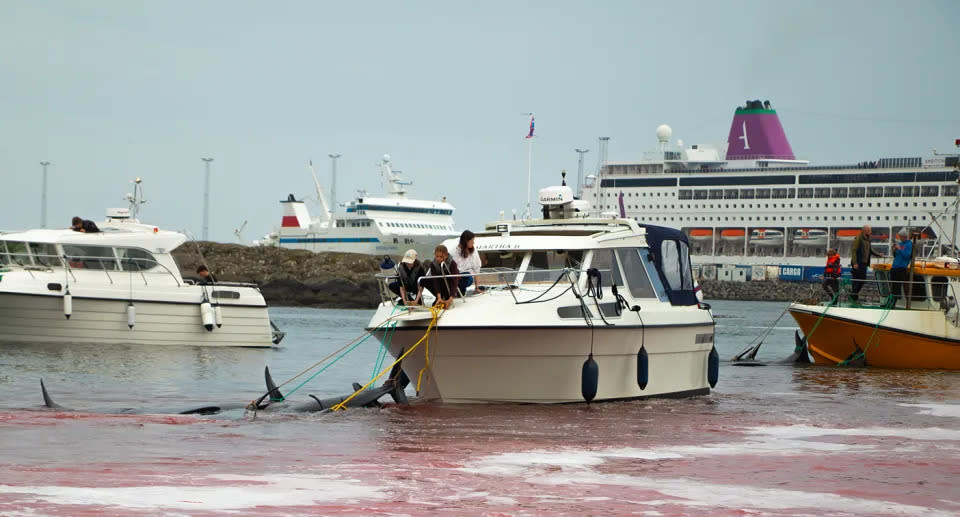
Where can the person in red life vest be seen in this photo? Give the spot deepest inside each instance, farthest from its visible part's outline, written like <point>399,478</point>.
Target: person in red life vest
<point>831,273</point>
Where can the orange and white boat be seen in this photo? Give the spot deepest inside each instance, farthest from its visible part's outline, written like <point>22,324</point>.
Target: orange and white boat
<point>700,234</point>
<point>733,234</point>
<point>810,237</point>
<point>766,237</point>
<point>921,333</point>
<point>848,234</point>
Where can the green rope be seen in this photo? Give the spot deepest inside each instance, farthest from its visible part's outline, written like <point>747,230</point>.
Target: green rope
<point>863,353</point>
<point>382,352</point>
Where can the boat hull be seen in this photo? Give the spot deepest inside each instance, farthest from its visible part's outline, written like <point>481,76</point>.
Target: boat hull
<point>543,364</point>
<point>28,318</point>
<point>904,339</point>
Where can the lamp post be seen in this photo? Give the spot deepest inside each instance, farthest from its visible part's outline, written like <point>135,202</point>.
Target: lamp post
<point>43,196</point>
<point>206,199</point>
<point>333,183</point>
<point>581,152</point>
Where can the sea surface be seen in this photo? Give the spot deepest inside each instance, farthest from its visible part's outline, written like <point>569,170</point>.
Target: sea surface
<point>769,440</point>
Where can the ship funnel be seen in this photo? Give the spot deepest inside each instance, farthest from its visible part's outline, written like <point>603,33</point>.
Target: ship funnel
<point>756,134</point>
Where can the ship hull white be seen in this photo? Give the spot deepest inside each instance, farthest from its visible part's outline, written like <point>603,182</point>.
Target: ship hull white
<point>384,245</point>
<point>40,319</point>
<point>543,364</point>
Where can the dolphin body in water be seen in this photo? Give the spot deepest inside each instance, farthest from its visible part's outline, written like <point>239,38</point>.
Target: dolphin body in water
<point>799,356</point>
<point>273,400</point>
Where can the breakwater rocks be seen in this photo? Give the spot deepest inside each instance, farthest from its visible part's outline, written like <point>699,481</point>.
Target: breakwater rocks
<point>761,290</point>
<point>289,277</point>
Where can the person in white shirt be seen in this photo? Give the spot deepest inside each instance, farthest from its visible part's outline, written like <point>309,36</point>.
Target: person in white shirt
<point>467,259</point>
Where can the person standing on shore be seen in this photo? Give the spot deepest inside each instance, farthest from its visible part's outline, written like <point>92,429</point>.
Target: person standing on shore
<point>860,261</point>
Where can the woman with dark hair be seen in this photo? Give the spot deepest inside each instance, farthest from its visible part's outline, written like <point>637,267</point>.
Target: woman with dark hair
<point>467,259</point>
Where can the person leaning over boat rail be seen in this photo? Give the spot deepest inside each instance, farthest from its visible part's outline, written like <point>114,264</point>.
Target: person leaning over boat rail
<point>407,286</point>
<point>860,261</point>
<point>467,259</point>
<point>444,287</point>
<point>901,261</point>
<point>79,224</point>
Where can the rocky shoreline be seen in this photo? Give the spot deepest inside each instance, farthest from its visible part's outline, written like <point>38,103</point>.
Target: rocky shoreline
<point>346,280</point>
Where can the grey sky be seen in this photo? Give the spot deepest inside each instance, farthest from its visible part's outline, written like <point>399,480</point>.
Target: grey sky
<point>110,90</point>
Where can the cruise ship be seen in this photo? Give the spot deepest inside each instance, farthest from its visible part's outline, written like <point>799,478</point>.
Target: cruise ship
<point>387,225</point>
<point>753,203</point>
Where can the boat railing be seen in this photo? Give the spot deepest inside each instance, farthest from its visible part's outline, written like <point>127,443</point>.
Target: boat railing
<point>496,278</point>
<point>43,262</point>
<point>922,293</point>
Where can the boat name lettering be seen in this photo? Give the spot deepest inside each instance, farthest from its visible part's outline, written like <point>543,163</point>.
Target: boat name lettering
<point>498,246</point>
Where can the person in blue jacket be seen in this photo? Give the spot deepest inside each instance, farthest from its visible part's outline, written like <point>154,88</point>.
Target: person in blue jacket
<point>902,252</point>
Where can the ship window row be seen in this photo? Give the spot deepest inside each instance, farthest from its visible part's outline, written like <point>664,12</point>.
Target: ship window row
<point>361,209</point>
<point>422,226</point>
<point>697,206</point>
<point>77,257</point>
<point>774,218</point>
<point>820,192</point>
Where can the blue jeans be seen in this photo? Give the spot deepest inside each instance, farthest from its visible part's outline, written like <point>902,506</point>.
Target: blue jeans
<point>464,283</point>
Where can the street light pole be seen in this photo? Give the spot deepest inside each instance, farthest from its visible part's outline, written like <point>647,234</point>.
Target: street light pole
<point>43,196</point>
<point>581,152</point>
<point>333,183</point>
<point>206,200</point>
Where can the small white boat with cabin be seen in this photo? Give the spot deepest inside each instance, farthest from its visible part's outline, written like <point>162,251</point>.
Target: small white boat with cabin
<point>569,308</point>
<point>120,285</point>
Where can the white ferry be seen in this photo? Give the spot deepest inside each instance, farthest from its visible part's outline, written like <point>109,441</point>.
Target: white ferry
<point>387,225</point>
<point>753,203</point>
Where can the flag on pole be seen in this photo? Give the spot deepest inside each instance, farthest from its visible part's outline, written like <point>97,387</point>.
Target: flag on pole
<point>530,133</point>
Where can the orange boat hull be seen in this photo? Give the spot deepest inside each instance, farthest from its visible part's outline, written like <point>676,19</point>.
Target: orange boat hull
<point>836,339</point>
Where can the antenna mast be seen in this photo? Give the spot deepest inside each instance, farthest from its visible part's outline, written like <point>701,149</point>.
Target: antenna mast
<point>581,152</point>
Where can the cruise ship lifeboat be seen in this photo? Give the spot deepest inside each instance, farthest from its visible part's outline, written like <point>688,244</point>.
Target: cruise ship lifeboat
<point>766,237</point>
<point>733,234</point>
<point>847,234</point>
<point>810,237</point>
<point>701,234</point>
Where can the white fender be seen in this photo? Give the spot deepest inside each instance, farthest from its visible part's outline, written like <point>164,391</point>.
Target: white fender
<point>218,315</point>
<point>67,304</point>
<point>131,315</point>
<point>206,315</point>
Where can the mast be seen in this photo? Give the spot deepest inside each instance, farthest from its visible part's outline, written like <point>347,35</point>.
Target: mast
<point>581,152</point>
<point>320,197</point>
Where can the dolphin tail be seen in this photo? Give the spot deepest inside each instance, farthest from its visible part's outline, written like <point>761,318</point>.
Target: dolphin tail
<point>397,382</point>
<point>47,401</point>
<point>800,355</point>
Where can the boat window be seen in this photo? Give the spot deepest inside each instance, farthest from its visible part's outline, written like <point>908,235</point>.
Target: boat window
<point>552,260</point>
<point>857,191</point>
<point>17,253</point>
<point>716,194</point>
<point>891,192</point>
<point>44,254</point>
<point>731,193</point>
<point>804,193</point>
<point>746,193</point>
<point>763,193</point>
<point>874,191</point>
<point>822,192</point>
<point>838,192</point>
<point>685,194</point>
<point>609,272</point>
<point>675,260</point>
<point>930,191</point>
<point>636,274</point>
<point>135,259</point>
<point>499,266</point>
<point>90,257</point>
<point>699,194</point>
<point>948,190</point>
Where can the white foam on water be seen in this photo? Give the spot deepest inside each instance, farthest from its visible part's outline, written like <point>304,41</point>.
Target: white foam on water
<point>794,432</point>
<point>947,410</point>
<point>690,492</point>
<point>274,490</point>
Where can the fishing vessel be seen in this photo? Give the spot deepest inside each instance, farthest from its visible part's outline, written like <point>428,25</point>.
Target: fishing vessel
<point>387,225</point>
<point>731,199</point>
<point>918,327</point>
<point>569,308</point>
<point>120,285</point>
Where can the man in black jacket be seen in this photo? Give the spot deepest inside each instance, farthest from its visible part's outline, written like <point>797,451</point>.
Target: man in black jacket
<point>860,261</point>
<point>84,225</point>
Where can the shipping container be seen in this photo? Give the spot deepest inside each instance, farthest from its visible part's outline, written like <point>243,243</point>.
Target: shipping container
<point>758,273</point>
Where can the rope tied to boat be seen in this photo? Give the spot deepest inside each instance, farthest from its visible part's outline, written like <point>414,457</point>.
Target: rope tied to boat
<point>435,312</point>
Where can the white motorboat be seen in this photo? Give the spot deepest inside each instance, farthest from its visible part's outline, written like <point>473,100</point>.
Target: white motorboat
<point>568,308</point>
<point>120,285</point>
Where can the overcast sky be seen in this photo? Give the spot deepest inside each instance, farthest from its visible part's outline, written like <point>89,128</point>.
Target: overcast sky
<point>110,90</point>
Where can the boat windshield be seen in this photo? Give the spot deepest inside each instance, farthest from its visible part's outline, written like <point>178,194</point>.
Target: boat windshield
<point>636,266</point>
<point>543,265</point>
<point>15,253</point>
<point>90,257</point>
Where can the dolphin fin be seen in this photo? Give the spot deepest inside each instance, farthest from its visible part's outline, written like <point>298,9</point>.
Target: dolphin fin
<point>272,389</point>
<point>47,401</point>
